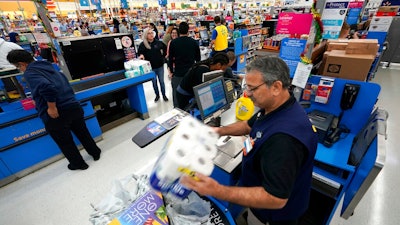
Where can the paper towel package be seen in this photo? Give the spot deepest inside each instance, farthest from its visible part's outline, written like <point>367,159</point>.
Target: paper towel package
<point>190,149</point>
<point>138,66</point>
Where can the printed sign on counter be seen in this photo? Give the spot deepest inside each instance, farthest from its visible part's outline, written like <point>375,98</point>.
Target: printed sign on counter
<point>290,52</point>
<point>333,17</point>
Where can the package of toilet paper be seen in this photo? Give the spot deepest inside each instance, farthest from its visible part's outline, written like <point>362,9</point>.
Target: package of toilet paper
<point>190,149</point>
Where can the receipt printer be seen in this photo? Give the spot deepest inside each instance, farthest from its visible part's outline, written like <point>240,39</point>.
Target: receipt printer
<point>323,122</point>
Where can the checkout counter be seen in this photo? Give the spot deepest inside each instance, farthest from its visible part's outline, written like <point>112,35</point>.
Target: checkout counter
<point>95,67</point>
<point>25,145</point>
<point>336,175</point>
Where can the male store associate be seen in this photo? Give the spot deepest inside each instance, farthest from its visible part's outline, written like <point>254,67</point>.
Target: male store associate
<point>57,106</point>
<point>277,166</point>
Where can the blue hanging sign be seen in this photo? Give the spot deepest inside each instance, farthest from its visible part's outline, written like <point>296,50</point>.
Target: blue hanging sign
<point>145,5</point>
<point>97,3</point>
<point>124,4</point>
<point>84,2</point>
<point>162,2</point>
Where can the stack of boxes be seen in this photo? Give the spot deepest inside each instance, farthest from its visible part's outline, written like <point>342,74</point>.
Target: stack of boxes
<point>349,59</point>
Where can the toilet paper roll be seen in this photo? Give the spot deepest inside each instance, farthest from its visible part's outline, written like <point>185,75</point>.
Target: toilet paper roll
<point>201,164</point>
<point>207,135</point>
<point>206,150</point>
<point>190,124</point>
<point>182,139</point>
<point>172,159</point>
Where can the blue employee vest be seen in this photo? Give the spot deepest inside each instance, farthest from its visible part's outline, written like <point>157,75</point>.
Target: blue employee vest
<point>294,122</point>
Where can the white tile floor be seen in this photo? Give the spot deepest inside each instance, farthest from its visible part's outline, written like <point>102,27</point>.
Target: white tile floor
<point>56,195</point>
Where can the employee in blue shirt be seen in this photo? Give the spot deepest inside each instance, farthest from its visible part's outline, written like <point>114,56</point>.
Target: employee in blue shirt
<point>277,164</point>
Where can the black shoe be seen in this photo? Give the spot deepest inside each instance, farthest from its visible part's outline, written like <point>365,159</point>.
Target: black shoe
<point>80,167</point>
<point>96,157</point>
<point>157,98</point>
<point>165,98</point>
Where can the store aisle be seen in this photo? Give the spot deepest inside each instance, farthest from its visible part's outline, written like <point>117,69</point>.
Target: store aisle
<point>56,195</point>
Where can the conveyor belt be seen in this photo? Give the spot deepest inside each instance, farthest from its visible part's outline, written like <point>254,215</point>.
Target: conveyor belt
<point>98,81</point>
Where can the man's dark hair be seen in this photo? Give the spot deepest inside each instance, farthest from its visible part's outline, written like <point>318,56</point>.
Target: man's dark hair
<point>217,19</point>
<point>183,28</point>
<point>220,57</point>
<point>16,56</point>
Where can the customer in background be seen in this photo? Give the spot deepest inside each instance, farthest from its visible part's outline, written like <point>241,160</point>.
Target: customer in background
<point>124,27</point>
<point>167,35</point>
<point>184,51</point>
<point>193,77</point>
<point>278,164</point>
<point>219,38</point>
<point>153,26</point>
<point>5,48</point>
<point>115,25</point>
<point>154,51</point>
<point>57,106</point>
<point>174,35</point>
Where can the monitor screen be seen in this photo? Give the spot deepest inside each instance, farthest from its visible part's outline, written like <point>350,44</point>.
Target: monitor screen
<point>211,75</point>
<point>211,98</point>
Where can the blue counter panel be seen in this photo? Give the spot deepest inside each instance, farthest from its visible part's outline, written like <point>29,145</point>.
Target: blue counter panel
<point>338,154</point>
<point>30,153</point>
<point>24,140</point>
<point>15,114</point>
<point>4,171</point>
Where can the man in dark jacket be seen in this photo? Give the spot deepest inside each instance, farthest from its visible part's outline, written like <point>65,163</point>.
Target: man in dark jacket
<point>184,51</point>
<point>55,102</point>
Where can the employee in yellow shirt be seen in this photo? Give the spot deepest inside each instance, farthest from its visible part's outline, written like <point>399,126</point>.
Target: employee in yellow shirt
<point>219,38</point>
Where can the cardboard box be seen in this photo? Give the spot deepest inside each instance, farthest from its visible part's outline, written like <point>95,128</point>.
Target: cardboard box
<point>336,46</point>
<point>347,66</point>
<point>362,46</point>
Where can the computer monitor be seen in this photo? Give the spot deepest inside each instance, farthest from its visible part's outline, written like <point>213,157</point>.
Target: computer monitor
<point>211,75</point>
<point>211,98</point>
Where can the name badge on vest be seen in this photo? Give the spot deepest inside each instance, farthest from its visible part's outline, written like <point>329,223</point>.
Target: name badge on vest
<point>249,143</point>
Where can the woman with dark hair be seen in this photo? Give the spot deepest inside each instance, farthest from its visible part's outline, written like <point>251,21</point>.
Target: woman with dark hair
<point>115,25</point>
<point>153,26</point>
<point>184,92</point>
<point>174,35</point>
<point>167,35</point>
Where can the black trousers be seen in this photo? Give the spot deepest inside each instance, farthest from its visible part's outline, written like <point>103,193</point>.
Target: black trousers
<point>183,100</point>
<point>60,130</point>
<point>175,81</point>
